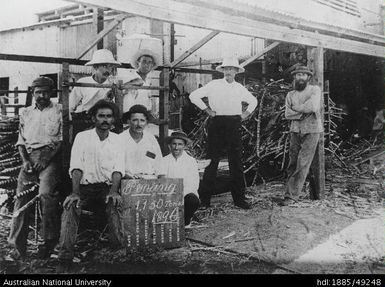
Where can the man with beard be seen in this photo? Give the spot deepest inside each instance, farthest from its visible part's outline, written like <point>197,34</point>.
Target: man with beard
<point>303,110</point>
<point>83,98</point>
<point>40,139</point>
<point>96,168</point>
<point>142,152</point>
<point>225,97</point>
<point>178,164</point>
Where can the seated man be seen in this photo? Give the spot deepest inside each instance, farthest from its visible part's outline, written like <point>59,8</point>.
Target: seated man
<point>142,153</point>
<point>178,164</point>
<point>96,168</point>
<point>40,139</point>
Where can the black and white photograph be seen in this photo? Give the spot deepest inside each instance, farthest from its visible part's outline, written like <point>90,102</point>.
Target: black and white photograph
<point>192,137</point>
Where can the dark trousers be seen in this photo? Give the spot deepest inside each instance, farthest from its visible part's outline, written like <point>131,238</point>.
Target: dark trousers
<point>191,204</point>
<point>224,134</point>
<point>49,199</point>
<point>92,198</point>
<point>301,153</point>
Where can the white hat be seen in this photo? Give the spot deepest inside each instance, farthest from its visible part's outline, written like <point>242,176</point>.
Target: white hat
<point>102,56</point>
<point>140,45</point>
<point>230,62</point>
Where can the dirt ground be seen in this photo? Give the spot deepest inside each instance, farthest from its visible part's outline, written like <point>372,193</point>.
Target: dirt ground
<point>264,240</point>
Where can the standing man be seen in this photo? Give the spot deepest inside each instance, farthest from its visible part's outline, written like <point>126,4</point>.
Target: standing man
<point>142,152</point>
<point>144,60</point>
<point>40,139</point>
<point>178,164</point>
<point>303,109</point>
<point>96,168</point>
<point>83,98</point>
<point>225,97</point>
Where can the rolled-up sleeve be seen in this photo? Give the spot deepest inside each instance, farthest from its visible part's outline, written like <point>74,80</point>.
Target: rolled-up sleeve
<point>197,96</point>
<point>119,165</point>
<point>74,99</point>
<point>77,154</point>
<point>21,139</point>
<point>192,179</point>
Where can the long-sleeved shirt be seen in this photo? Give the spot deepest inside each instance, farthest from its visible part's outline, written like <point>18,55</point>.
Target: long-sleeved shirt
<point>143,157</point>
<point>83,98</point>
<point>39,128</point>
<point>306,102</point>
<point>225,99</point>
<point>184,167</point>
<point>97,159</point>
<point>136,97</point>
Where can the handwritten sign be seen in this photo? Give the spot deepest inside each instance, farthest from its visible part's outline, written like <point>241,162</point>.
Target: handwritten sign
<point>153,213</point>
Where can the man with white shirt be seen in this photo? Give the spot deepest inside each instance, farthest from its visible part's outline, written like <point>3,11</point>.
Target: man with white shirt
<point>142,152</point>
<point>303,109</point>
<point>225,98</point>
<point>144,60</point>
<point>83,98</point>
<point>96,168</point>
<point>178,164</point>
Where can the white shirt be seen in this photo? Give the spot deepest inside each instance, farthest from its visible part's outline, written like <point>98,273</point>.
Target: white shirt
<point>83,98</point>
<point>142,157</point>
<point>184,167</point>
<point>224,98</point>
<point>137,97</point>
<point>95,158</point>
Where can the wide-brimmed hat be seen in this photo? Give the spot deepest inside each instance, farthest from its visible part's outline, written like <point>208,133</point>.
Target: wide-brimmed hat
<point>102,56</point>
<point>135,109</point>
<point>230,62</point>
<point>143,45</point>
<point>178,135</point>
<point>302,69</point>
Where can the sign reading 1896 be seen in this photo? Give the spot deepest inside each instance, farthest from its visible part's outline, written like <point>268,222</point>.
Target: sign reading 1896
<point>153,212</point>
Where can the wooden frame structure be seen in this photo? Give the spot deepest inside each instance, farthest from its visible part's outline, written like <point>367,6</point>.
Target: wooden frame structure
<point>223,17</point>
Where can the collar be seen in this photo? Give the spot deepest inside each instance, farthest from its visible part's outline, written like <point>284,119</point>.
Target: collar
<point>49,106</point>
<point>183,155</point>
<point>97,136</point>
<point>227,83</point>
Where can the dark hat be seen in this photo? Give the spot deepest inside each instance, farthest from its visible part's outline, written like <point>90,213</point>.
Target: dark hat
<point>178,135</point>
<point>43,82</point>
<point>302,69</point>
<point>135,109</point>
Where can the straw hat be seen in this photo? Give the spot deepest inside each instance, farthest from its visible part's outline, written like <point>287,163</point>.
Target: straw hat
<point>102,56</point>
<point>140,45</point>
<point>302,69</point>
<point>230,62</point>
<point>178,135</point>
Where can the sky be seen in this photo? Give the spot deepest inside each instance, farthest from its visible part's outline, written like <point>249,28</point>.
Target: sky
<point>18,13</point>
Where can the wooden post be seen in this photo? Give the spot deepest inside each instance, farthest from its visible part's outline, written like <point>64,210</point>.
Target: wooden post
<point>98,22</point>
<point>16,100</point>
<point>64,100</point>
<point>2,105</point>
<point>163,108</point>
<point>316,64</point>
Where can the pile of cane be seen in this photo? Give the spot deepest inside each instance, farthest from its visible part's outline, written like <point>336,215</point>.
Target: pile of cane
<point>265,134</point>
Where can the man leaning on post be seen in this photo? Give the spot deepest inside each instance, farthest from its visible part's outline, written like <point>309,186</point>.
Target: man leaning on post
<point>96,168</point>
<point>40,138</point>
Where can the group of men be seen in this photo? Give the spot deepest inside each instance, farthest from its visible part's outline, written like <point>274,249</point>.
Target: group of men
<point>100,158</point>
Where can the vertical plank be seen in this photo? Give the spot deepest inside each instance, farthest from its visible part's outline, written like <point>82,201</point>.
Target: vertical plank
<point>98,21</point>
<point>64,100</point>
<point>316,64</point>
<point>163,108</point>
<point>172,42</point>
<point>2,105</point>
<point>16,100</point>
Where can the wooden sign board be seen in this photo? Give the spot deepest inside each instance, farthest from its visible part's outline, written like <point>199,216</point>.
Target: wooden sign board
<point>153,214</point>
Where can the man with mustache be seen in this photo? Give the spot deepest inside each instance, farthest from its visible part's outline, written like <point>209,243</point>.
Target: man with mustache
<point>142,152</point>
<point>225,98</point>
<point>83,98</point>
<point>178,164</point>
<point>303,109</point>
<point>40,139</point>
<point>96,168</point>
